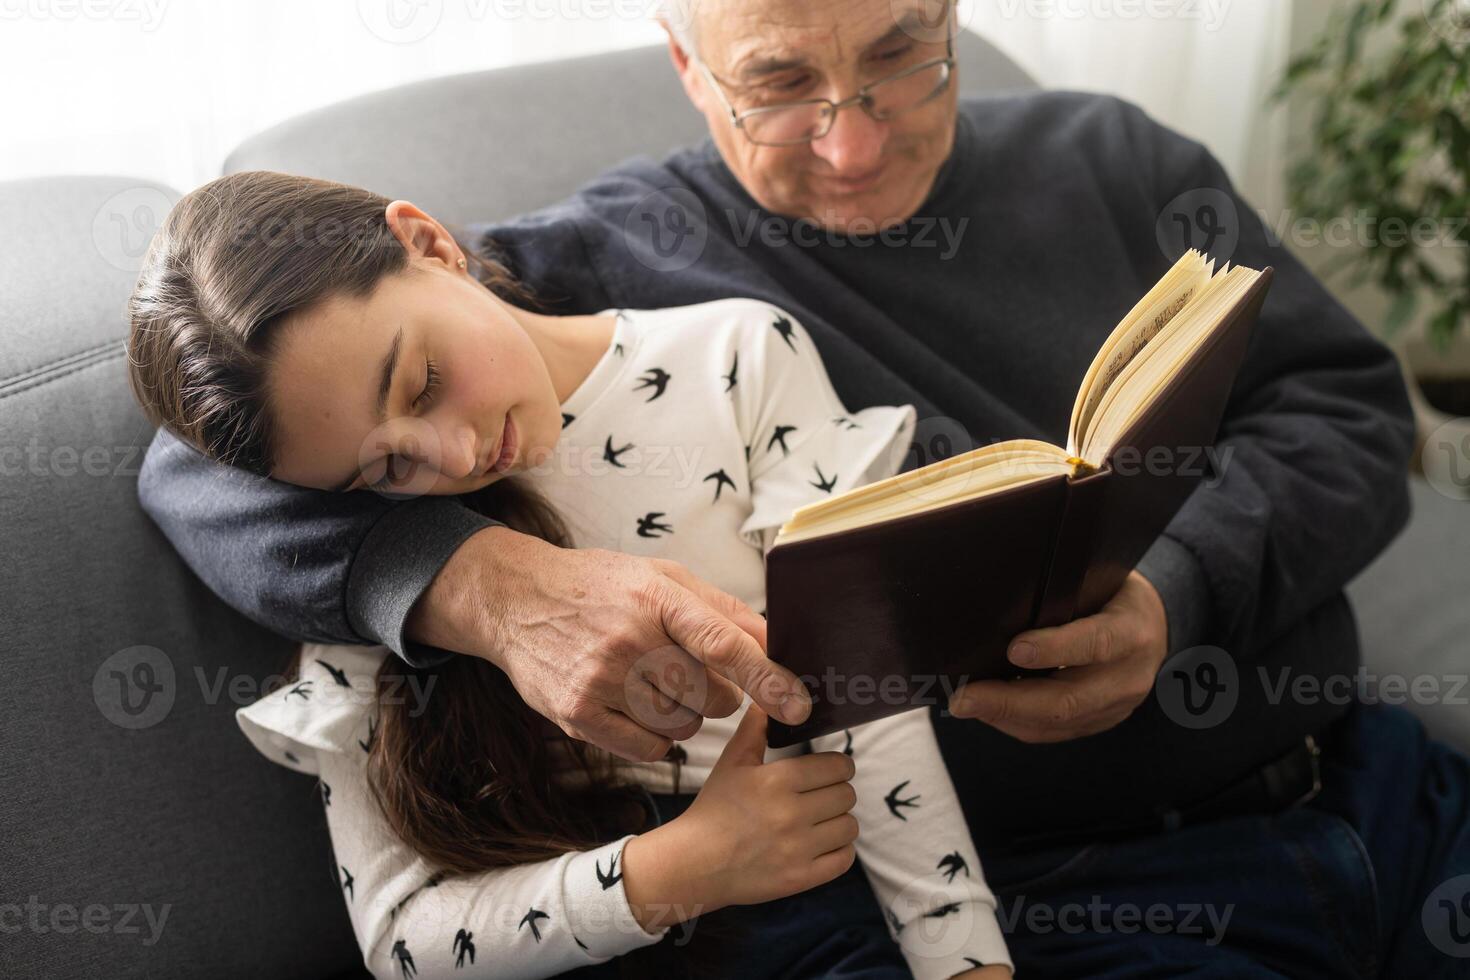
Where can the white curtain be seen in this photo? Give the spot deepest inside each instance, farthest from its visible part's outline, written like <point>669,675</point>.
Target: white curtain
<point>164,89</point>
<point>1202,67</point>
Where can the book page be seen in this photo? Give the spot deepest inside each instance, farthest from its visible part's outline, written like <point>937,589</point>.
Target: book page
<point>1179,286</point>
<point>1141,381</point>
<point>988,469</point>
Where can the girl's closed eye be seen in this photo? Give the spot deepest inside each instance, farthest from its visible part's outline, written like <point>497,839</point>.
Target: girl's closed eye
<point>431,383</point>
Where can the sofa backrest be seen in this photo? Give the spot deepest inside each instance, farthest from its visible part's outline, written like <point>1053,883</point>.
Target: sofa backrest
<point>489,145</point>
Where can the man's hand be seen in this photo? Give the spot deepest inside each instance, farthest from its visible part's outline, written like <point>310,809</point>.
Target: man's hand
<point>624,652</point>
<point>1112,659</point>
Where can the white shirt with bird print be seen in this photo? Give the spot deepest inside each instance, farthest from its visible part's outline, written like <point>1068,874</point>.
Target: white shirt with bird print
<point>694,438</point>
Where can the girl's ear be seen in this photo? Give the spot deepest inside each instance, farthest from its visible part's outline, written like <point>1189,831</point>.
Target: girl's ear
<point>421,235</point>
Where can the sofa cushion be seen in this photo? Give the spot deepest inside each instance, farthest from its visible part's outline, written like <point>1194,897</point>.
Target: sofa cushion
<point>140,834</point>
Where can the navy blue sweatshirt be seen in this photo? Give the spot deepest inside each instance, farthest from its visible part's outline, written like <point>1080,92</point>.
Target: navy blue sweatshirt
<point>984,311</point>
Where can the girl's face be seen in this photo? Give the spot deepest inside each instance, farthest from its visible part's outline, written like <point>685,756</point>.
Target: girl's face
<point>429,386</point>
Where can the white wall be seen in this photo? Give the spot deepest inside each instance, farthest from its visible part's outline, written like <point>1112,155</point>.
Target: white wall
<point>164,89</point>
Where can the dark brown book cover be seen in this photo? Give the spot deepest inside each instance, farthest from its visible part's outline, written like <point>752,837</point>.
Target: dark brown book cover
<point>885,618</point>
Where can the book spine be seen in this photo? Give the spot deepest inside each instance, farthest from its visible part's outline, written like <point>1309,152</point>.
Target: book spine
<point>1071,550</point>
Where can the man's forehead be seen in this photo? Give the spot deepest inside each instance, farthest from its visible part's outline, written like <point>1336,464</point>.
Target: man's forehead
<point>745,35</point>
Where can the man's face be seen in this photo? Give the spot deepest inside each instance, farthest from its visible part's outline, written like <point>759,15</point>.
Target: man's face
<point>863,174</point>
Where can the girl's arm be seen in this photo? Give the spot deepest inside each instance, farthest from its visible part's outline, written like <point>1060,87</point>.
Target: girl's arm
<point>531,920</point>
<point>757,831</point>
<point>916,850</point>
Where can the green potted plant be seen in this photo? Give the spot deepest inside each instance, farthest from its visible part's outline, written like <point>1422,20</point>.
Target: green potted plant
<point>1387,84</point>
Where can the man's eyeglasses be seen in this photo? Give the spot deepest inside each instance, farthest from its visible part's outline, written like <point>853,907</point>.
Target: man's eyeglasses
<point>792,123</point>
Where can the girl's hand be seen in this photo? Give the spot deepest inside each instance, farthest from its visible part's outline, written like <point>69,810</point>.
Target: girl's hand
<point>756,831</point>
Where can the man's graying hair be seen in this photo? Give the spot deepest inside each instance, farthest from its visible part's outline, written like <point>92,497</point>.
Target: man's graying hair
<point>679,16</point>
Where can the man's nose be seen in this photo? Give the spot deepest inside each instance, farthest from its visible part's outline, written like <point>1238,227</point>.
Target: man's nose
<point>854,144</point>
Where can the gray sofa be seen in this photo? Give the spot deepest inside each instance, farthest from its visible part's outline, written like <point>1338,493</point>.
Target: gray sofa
<point>140,835</point>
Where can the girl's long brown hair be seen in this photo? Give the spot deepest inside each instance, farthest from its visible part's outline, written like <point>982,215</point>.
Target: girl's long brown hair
<point>466,779</point>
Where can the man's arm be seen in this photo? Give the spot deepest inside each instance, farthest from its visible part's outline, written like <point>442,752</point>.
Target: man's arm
<point>312,565</point>
<point>1314,442</point>
<point>1311,484</point>
<point>624,652</point>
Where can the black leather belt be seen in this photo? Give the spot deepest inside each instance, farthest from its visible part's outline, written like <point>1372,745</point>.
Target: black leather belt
<point>1289,781</point>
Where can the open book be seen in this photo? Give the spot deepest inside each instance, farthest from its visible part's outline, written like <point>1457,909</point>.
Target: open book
<point>920,580</point>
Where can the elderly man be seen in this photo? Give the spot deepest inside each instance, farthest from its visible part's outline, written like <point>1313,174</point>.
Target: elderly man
<point>967,257</point>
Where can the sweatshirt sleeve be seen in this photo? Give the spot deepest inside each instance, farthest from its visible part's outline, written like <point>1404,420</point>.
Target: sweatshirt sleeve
<point>915,847</point>
<point>312,565</point>
<point>1314,442</point>
<point>538,919</point>
<point>802,444</point>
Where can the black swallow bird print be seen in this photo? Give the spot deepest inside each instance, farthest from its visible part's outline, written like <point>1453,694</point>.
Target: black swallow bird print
<point>747,454</point>
<point>677,754</point>
<point>894,802</point>
<point>347,881</point>
<point>893,921</point>
<point>404,959</point>
<point>846,749</point>
<point>291,757</point>
<point>326,795</point>
<point>464,945</point>
<point>531,917</point>
<point>618,349</point>
<point>730,378</point>
<point>974,962</point>
<point>657,378</point>
<point>943,910</point>
<point>722,479</point>
<point>778,434</point>
<point>566,419</point>
<point>649,526</point>
<point>302,691</point>
<point>340,676</point>
<point>784,328</point>
<point>610,455</point>
<point>430,882</point>
<point>613,875</point>
<point>844,420</point>
<point>372,735</point>
<point>579,942</point>
<point>952,864</point>
<point>822,483</point>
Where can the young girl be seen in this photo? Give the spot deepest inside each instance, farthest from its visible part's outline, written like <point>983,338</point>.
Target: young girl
<point>327,337</point>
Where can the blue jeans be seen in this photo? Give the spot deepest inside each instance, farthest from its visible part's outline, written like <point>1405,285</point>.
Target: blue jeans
<point>835,930</point>
<point>1370,879</point>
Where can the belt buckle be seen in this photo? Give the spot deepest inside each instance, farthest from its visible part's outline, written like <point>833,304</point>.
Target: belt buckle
<point>1315,757</point>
